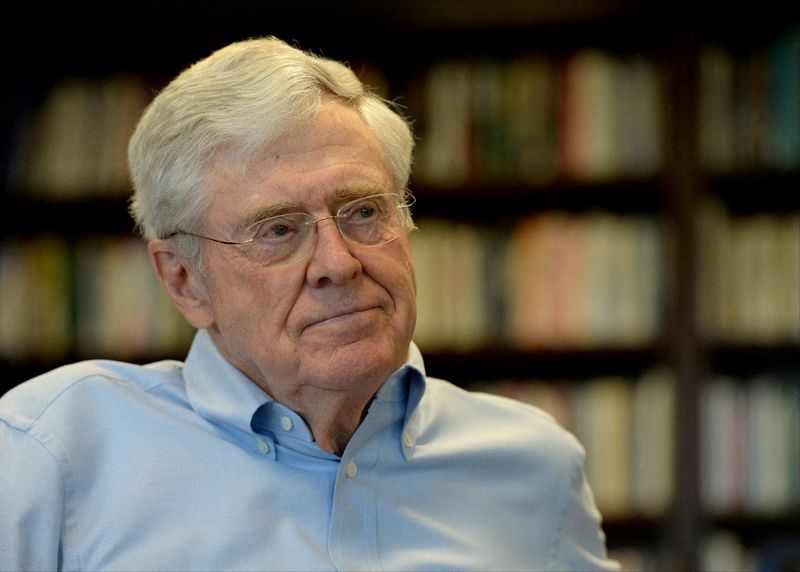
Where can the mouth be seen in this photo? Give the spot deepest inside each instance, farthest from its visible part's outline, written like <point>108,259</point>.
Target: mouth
<point>341,317</point>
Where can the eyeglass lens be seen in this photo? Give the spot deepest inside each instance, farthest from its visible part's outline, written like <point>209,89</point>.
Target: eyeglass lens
<point>283,239</point>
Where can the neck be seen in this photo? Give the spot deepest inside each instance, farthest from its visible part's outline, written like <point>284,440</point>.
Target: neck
<point>332,417</point>
<point>332,414</point>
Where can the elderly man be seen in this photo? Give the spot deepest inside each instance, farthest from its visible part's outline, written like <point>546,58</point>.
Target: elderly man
<point>301,432</point>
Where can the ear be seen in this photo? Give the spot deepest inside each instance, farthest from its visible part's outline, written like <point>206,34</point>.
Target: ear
<point>182,283</point>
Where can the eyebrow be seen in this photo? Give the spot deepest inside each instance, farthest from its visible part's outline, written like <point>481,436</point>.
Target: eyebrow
<point>340,195</point>
<point>358,191</point>
<point>270,211</point>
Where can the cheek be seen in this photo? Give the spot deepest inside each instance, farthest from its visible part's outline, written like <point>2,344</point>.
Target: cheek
<point>408,268</point>
<point>413,273</point>
<point>253,300</point>
<point>397,275</point>
<point>406,304</point>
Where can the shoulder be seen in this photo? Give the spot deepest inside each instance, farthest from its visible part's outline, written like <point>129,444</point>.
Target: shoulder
<point>499,422</point>
<point>83,385</point>
<point>446,396</point>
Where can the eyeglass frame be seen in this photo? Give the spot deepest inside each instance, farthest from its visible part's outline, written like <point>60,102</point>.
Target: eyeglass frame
<point>405,201</point>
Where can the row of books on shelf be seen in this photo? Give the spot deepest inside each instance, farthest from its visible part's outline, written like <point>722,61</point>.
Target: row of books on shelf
<point>750,444</point>
<point>749,106</point>
<point>97,297</point>
<point>748,276</point>
<point>535,118</point>
<point>595,115</point>
<point>73,140</point>
<point>548,280</point>
<point>556,280</point>
<point>750,439</point>
<point>551,280</point>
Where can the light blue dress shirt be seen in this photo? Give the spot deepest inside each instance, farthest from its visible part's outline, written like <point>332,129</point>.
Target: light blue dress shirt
<point>172,466</point>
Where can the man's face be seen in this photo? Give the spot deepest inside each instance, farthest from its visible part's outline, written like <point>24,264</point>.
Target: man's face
<point>341,319</point>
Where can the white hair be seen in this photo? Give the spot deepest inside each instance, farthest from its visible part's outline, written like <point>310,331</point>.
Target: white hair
<point>238,99</point>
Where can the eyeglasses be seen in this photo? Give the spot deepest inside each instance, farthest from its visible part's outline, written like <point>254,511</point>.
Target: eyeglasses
<point>285,239</point>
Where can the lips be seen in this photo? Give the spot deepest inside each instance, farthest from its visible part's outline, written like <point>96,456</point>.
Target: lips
<point>339,315</point>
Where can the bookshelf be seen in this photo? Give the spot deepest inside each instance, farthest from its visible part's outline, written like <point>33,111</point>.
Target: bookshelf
<point>700,176</point>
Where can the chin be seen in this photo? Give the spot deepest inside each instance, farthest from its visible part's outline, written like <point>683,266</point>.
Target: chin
<point>363,362</point>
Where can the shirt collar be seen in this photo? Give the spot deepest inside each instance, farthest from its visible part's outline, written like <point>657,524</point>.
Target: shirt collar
<point>414,416</point>
<point>407,385</point>
<point>217,390</point>
<point>222,394</point>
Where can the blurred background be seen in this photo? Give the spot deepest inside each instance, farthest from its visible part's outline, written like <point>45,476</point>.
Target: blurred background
<point>608,202</point>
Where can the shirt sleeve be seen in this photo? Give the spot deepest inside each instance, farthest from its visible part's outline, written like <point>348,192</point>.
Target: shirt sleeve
<point>581,540</point>
<point>31,503</point>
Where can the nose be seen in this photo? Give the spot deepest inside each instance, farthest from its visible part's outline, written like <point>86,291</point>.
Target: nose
<point>331,261</point>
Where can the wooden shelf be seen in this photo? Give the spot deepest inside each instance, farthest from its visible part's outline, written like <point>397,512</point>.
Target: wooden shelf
<point>504,200</point>
<point>504,363</point>
<point>24,216</point>
<point>749,360</point>
<point>747,192</point>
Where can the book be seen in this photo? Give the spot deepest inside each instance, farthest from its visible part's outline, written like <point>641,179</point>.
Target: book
<point>653,434</point>
<point>588,134</point>
<point>444,153</point>
<point>716,112</point>
<point>783,111</point>
<point>35,298</point>
<point>603,425</point>
<point>531,99</point>
<point>768,415</point>
<point>723,443</point>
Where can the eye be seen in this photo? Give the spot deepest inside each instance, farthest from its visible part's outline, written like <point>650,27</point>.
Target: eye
<point>276,228</point>
<point>364,210</point>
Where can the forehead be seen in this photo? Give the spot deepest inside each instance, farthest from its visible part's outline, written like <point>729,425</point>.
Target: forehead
<point>333,158</point>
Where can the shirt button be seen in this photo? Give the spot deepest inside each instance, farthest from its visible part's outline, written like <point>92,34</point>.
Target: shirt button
<point>263,446</point>
<point>352,470</point>
<point>408,440</point>
<point>286,423</point>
